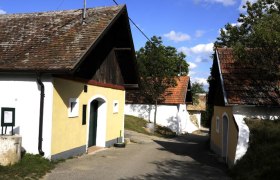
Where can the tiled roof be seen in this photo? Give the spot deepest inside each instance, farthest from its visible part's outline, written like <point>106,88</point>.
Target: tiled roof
<point>177,94</point>
<point>201,105</point>
<point>244,85</point>
<point>172,95</point>
<point>50,41</point>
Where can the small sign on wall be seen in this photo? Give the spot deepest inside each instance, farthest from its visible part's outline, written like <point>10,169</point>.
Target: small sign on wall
<point>7,118</point>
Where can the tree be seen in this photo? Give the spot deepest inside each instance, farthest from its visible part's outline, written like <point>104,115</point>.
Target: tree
<point>158,65</point>
<point>256,39</point>
<point>196,88</point>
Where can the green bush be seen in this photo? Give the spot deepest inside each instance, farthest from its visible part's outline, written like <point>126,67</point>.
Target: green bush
<point>262,159</point>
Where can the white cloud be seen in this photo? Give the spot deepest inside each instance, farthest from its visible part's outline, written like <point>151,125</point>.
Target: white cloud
<point>177,36</point>
<point>238,24</point>
<point>191,73</point>
<point>200,59</point>
<point>200,80</point>
<point>199,53</point>
<point>184,50</point>
<point>192,65</point>
<point>243,2</point>
<point>224,2</point>
<point>202,48</point>
<point>2,11</point>
<point>199,33</point>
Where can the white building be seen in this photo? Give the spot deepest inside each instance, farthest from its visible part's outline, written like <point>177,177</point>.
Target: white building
<point>171,112</point>
<point>197,108</point>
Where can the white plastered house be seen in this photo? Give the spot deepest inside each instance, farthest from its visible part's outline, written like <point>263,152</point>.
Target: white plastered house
<point>237,92</point>
<point>171,112</point>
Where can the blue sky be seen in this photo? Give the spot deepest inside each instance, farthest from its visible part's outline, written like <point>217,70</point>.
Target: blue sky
<point>189,25</point>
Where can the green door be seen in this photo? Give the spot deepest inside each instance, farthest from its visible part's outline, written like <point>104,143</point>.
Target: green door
<point>93,123</point>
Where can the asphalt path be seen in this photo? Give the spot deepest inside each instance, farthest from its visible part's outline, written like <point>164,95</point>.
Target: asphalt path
<point>185,157</point>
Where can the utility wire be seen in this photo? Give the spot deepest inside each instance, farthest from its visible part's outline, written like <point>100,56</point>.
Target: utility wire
<point>136,26</point>
<point>61,2</point>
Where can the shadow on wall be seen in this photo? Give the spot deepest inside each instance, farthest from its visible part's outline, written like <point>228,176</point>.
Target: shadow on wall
<point>143,111</point>
<point>67,89</point>
<point>173,124</point>
<point>200,163</point>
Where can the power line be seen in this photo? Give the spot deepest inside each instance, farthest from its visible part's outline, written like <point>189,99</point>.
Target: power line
<point>60,4</point>
<point>136,26</point>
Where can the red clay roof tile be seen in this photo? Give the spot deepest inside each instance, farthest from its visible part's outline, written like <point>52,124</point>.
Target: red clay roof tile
<point>243,85</point>
<point>172,95</point>
<point>50,41</point>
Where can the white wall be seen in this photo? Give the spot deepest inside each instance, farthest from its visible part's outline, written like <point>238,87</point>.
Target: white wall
<point>186,123</point>
<point>197,115</point>
<point>241,112</point>
<point>175,117</point>
<point>257,112</point>
<point>23,93</point>
<point>167,116</point>
<point>139,110</point>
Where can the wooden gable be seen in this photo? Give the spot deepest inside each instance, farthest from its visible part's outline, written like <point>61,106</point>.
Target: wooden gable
<point>216,96</point>
<point>109,71</point>
<point>111,60</point>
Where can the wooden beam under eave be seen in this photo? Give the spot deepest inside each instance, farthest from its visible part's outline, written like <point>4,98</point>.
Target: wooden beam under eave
<point>122,49</point>
<point>131,86</point>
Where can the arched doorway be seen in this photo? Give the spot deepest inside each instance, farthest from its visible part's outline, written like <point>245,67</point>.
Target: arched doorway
<point>225,137</point>
<point>97,123</point>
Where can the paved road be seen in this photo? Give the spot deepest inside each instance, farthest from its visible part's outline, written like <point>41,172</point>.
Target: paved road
<point>154,158</point>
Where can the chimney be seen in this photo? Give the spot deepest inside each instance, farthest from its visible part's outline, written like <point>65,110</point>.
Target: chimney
<point>84,11</point>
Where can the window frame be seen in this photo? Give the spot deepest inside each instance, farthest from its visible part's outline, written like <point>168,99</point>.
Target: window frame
<point>73,111</point>
<point>115,106</point>
<point>217,124</point>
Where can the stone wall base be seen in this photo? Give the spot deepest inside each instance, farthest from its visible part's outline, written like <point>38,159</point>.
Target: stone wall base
<point>10,149</point>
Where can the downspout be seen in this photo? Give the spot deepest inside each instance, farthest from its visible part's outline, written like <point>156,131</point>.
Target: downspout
<point>42,96</point>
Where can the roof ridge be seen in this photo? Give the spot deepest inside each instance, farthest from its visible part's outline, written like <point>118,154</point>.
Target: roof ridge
<point>55,12</point>
<point>25,37</point>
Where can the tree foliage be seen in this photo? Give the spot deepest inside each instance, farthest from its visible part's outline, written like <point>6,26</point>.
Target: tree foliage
<point>256,38</point>
<point>196,88</point>
<point>158,65</point>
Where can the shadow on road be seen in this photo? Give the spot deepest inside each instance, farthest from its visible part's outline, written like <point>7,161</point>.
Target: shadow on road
<point>203,166</point>
<point>194,146</point>
<point>181,170</point>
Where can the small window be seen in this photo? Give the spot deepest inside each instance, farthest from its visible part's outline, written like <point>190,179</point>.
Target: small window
<point>115,106</point>
<point>217,124</point>
<point>84,120</point>
<point>85,88</point>
<point>73,107</point>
